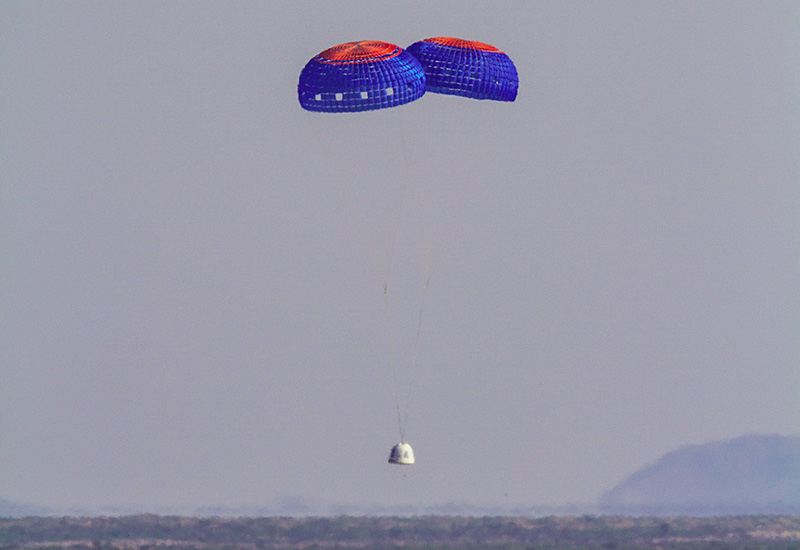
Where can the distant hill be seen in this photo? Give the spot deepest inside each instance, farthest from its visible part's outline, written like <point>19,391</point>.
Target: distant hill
<point>749,474</point>
<point>9,509</point>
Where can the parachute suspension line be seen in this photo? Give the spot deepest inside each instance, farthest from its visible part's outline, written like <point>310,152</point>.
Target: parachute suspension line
<point>414,356</point>
<point>407,160</point>
<point>393,360</point>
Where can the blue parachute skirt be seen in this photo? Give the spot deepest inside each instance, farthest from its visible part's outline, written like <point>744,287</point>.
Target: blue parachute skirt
<point>466,68</point>
<point>360,76</point>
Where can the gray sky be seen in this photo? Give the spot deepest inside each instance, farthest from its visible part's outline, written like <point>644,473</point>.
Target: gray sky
<point>189,311</point>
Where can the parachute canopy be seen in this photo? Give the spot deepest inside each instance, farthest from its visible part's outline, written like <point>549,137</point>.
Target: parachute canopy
<point>360,76</point>
<point>466,68</point>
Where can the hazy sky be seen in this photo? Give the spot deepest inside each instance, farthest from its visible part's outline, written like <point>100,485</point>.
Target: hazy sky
<point>190,314</point>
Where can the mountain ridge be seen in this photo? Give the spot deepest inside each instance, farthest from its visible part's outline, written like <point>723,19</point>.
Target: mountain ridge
<point>752,473</point>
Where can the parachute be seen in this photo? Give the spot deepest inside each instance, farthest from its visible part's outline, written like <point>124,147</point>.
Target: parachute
<point>466,68</point>
<point>373,75</point>
<point>360,76</point>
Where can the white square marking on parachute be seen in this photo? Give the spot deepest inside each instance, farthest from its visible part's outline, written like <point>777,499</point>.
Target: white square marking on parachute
<point>389,91</point>
<point>339,96</point>
<point>318,97</point>
<point>364,95</point>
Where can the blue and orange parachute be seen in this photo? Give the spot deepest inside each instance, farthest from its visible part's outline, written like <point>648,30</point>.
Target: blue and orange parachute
<point>360,76</point>
<point>368,75</point>
<point>466,68</point>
